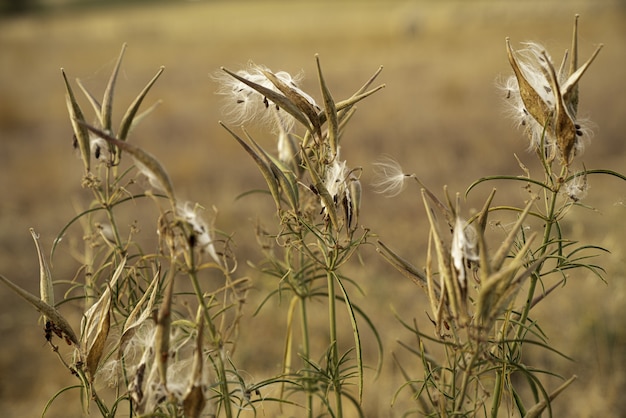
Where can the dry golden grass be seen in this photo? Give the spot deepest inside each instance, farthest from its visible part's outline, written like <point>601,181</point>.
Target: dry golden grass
<point>440,116</point>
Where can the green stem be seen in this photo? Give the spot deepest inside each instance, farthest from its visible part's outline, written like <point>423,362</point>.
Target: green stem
<point>332,316</point>
<point>90,285</point>
<point>534,278</point>
<point>224,383</point>
<point>214,334</point>
<point>465,382</point>
<point>550,220</point>
<point>497,394</point>
<point>306,354</point>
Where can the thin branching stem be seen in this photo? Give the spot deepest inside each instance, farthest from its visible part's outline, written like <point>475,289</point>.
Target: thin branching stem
<point>551,221</point>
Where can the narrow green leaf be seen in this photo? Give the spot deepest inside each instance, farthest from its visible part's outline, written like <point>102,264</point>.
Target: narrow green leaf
<point>379,342</point>
<point>355,333</point>
<point>293,304</point>
<point>514,178</point>
<point>538,408</point>
<point>56,395</point>
<point>597,171</point>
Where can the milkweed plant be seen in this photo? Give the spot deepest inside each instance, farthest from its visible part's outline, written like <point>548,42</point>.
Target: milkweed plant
<point>160,320</point>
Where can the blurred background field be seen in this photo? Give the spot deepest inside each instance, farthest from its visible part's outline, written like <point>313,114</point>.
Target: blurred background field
<point>440,116</point>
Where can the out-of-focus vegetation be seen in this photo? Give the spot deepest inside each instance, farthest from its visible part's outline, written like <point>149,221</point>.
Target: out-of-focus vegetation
<point>440,116</point>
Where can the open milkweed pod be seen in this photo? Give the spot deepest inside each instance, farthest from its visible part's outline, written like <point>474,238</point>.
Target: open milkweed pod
<point>546,101</point>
